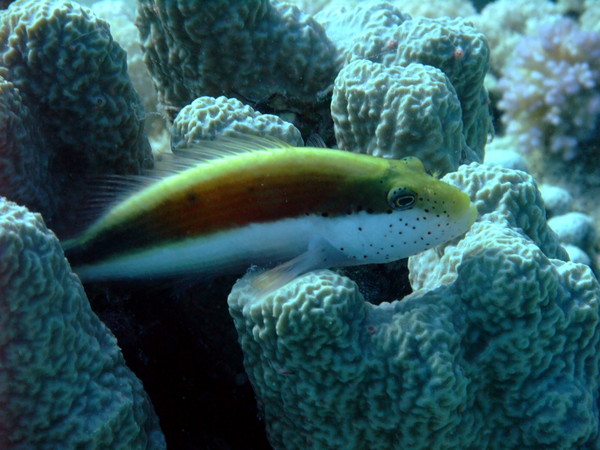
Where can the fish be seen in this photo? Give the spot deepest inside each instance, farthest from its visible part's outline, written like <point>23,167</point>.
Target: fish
<point>235,203</point>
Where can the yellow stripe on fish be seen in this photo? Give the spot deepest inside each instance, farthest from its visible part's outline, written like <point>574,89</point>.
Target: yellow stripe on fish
<point>262,202</point>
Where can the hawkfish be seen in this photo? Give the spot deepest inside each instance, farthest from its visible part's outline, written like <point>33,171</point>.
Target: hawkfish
<point>262,202</point>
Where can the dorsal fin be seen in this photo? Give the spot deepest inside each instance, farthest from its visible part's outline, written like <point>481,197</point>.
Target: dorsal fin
<point>315,140</point>
<point>189,154</point>
<point>204,150</point>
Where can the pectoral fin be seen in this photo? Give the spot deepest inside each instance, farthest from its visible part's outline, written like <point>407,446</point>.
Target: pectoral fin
<point>320,255</point>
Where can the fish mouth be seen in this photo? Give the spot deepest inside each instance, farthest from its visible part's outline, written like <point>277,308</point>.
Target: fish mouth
<point>468,218</point>
<point>473,213</point>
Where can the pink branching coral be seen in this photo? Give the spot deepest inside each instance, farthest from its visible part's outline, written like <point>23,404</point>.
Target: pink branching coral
<point>551,96</point>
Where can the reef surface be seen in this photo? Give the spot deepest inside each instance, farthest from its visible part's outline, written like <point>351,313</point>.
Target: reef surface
<point>487,341</point>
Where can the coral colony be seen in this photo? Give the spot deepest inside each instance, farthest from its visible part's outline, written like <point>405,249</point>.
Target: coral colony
<point>492,340</point>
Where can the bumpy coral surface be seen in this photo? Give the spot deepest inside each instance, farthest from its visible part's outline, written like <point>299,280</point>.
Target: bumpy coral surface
<point>551,95</point>
<point>557,200</point>
<point>24,166</point>
<point>347,23</point>
<point>431,8</point>
<point>310,6</point>
<point>578,230</point>
<point>208,118</point>
<point>396,111</point>
<point>454,47</point>
<point>121,17</point>
<point>72,78</point>
<point>437,8</point>
<point>63,380</point>
<point>495,348</point>
<point>455,57</point>
<point>268,54</point>
<point>590,19</point>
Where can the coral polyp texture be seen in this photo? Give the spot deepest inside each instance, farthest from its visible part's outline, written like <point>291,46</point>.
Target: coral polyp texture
<point>72,80</point>
<point>347,23</point>
<point>590,18</point>
<point>456,48</point>
<point>24,166</point>
<point>410,86</point>
<point>121,17</point>
<point>437,8</point>
<point>550,91</point>
<point>268,54</point>
<point>63,380</point>
<point>396,111</point>
<point>208,118</point>
<point>495,348</point>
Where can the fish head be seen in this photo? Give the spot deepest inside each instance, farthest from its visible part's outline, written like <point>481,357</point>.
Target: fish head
<point>408,211</point>
<point>411,187</point>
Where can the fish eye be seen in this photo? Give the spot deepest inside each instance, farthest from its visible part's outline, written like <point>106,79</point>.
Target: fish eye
<point>401,198</point>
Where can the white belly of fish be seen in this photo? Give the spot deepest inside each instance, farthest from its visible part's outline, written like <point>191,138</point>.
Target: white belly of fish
<point>352,239</point>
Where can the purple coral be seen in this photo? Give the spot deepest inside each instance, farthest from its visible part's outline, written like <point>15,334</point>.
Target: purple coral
<point>551,97</point>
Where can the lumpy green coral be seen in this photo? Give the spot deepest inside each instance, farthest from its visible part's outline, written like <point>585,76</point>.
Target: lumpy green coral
<point>410,86</point>
<point>208,118</point>
<point>349,23</point>
<point>121,17</point>
<point>495,348</point>
<point>452,45</point>
<point>24,166</point>
<point>399,111</point>
<point>266,53</point>
<point>63,380</point>
<point>71,77</point>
